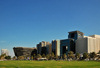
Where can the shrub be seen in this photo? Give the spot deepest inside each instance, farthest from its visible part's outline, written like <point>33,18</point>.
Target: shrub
<point>85,55</point>
<point>64,56</point>
<point>77,55</point>
<point>93,55</point>
<point>39,56</point>
<point>71,54</point>
<point>43,55</point>
<point>8,57</point>
<point>21,58</point>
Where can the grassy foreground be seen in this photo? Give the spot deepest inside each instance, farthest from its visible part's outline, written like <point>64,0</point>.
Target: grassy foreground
<point>49,64</point>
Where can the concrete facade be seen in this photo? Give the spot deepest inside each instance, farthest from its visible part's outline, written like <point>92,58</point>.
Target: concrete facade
<point>49,48</point>
<point>43,48</point>
<point>66,45</point>
<point>88,44</point>
<point>56,47</point>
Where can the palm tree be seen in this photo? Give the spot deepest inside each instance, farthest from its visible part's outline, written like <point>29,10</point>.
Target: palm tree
<point>71,54</point>
<point>99,52</point>
<point>21,58</point>
<point>85,55</point>
<point>2,56</point>
<point>56,57</point>
<point>48,56</point>
<point>64,56</point>
<point>52,55</point>
<point>43,55</point>
<point>39,56</point>
<point>14,58</point>
<point>8,57</point>
<point>77,55</point>
<point>93,55</point>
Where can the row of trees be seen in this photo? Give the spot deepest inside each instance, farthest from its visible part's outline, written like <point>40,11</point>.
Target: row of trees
<point>51,56</point>
<point>70,55</point>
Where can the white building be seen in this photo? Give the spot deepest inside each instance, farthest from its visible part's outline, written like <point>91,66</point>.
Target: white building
<point>4,51</point>
<point>56,47</point>
<point>88,44</point>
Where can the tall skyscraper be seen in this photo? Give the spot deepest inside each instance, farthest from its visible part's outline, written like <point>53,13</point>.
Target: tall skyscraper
<point>56,47</point>
<point>43,48</point>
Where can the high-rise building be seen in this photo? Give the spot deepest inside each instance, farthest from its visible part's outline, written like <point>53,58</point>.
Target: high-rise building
<point>42,48</point>
<point>75,35</point>
<point>88,44</point>
<point>56,47</point>
<point>66,45</point>
<point>48,48</point>
<point>4,51</point>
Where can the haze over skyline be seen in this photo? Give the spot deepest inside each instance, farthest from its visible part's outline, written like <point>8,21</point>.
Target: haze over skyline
<point>25,23</point>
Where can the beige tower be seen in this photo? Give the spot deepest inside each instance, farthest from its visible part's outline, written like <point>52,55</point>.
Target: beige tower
<point>88,44</point>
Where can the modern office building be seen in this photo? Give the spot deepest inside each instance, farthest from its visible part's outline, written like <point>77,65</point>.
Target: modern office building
<point>66,45</point>
<point>88,44</point>
<point>60,47</point>
<point>75,35</point>
<point>24,51</point>
<point>4,51</point>
<point>49,48</point>
<point>42,48</point>
<point>56,47</point>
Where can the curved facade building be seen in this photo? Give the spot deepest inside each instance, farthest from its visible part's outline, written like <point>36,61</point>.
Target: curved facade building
<point>24,51</point>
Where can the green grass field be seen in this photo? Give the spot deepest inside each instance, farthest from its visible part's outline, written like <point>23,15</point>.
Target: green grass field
<point>49,64</point>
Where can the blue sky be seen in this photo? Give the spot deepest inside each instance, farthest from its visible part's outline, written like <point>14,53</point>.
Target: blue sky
<point>28,22</point>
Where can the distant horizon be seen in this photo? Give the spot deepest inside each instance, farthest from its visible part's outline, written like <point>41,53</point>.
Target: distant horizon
<point>25,23</point>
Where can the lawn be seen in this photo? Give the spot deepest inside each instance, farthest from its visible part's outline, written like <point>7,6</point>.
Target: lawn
<point>49,64</point>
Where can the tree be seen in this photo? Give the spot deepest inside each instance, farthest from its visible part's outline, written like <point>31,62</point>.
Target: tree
<point>52,55</point>
<point>2,56</point>
<point>56,57</point>
<point>99,52</point>
<point>48,56</point>
<point>64,56</point>
<point>43,55</point>
<point>85,55</point>
<point>34,56</point>
<point>8,57</point>
<point>39,56</point>
<point>77,55</point>
<point>14,58</point>
<point>21,58</point>
<point>93,55</point>
<point>71,54</point>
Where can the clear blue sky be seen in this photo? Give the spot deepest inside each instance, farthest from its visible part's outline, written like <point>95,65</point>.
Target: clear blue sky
<point>28,22</point>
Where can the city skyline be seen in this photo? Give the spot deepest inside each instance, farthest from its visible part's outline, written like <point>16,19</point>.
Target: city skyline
<point>25,23</point>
